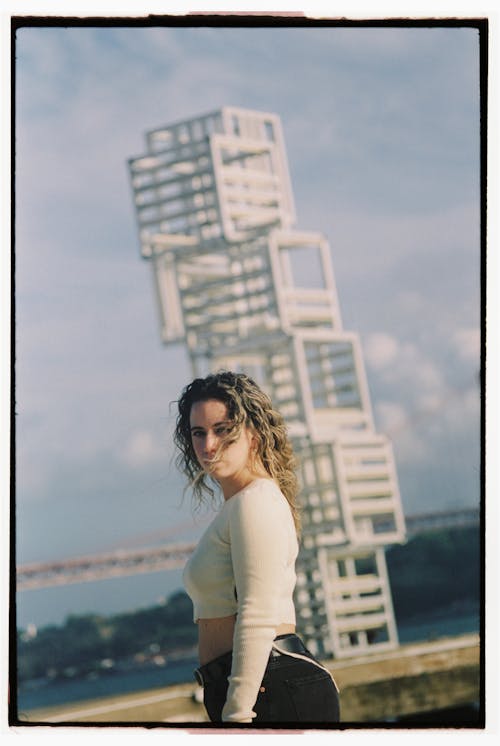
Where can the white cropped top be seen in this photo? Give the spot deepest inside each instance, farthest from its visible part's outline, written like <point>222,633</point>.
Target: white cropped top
<point>244,564</point>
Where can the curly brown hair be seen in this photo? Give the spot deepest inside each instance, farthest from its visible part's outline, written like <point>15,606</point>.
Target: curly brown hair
<point>247,406</point>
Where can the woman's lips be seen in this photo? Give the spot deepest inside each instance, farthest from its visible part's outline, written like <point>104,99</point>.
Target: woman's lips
<point>210,462</point>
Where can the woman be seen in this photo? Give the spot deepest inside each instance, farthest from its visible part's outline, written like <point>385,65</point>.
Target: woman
<point>241,577</point>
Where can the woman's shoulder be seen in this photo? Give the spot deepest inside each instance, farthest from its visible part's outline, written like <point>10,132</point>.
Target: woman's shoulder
<point>259,486</point>
<point>259,494</point>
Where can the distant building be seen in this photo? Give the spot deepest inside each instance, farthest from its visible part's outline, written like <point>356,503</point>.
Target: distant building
<point>244,290</point>
<point>29,633</point>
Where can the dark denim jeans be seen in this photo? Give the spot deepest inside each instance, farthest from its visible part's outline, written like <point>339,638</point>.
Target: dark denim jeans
<point>292,691</point>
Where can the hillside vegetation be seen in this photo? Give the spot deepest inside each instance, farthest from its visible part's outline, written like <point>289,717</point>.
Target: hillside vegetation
<point>434,570</point>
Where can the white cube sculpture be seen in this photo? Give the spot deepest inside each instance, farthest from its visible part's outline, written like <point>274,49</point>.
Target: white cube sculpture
<point>246,291</point>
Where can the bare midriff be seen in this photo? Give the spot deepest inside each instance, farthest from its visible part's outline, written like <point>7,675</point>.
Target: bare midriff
<point>215,636</point>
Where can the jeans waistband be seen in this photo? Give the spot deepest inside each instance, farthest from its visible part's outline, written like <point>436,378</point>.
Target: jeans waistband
<point>221,666</point>
<point>290,643</point>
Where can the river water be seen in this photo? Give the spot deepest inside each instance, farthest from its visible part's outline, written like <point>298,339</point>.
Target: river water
<point>43,694</point>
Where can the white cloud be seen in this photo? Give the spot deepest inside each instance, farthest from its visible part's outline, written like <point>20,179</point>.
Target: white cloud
<point>467,343</point>
<point>143,449</point>
<point>429,402</point>
<point>402,363</point>
<point>462,410</point>
<point>381,350</point>
<point>418,404</point>
<point>395,422</point>
<point>426,372</point>
<point>393,416</point>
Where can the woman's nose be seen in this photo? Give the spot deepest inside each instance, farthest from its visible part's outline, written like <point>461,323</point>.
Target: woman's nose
<point>210,443</point>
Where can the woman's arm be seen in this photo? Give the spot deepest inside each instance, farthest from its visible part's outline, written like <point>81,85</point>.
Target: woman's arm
<point>260,528</point>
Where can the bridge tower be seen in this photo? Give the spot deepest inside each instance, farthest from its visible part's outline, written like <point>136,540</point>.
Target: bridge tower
<point>246,291</point>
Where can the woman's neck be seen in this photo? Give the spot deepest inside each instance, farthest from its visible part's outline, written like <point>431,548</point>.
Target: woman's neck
<point>234,485</point>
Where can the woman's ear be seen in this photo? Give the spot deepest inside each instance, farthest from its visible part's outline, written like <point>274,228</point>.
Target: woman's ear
<point>254,440</point>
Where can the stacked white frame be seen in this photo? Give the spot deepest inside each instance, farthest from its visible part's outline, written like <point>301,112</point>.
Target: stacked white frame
<point>245,291</point>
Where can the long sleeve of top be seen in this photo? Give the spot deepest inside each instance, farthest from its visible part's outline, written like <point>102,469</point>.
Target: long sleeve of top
<point>245,564</point>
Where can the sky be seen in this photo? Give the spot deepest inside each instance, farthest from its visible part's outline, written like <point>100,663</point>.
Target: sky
<point>382,134</point>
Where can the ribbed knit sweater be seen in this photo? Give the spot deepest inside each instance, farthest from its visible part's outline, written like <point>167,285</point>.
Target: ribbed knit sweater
<point>244,564</point>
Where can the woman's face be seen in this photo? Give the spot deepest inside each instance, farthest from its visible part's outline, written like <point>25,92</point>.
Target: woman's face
<point>230,466</point>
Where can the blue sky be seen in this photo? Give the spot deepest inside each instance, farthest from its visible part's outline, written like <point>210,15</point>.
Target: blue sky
<point>382,135</point>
